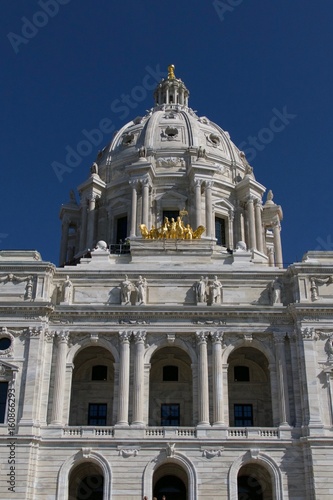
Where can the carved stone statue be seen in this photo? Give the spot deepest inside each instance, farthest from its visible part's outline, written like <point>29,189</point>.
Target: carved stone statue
<point>329,349</point>
<point>67,291</point>
<point>141,287</point>
<point>142,152</point>
<point>94,169</point>
<point>201,153</point>
<point>275,291</point>
<point>126,287</point>
<point>216,291</point>
<point>28,288</point>
<point>201,290</point>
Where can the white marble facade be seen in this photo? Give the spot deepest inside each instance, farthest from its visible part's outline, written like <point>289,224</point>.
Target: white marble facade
<point>190,368</point>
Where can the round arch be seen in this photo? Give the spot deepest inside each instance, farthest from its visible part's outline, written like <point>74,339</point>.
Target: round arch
<point>255,344</point>
<point>181,344</point>
<point>177,459</point>
<point>261,459</point>
<point>72,462</point>
<point>88,342</point>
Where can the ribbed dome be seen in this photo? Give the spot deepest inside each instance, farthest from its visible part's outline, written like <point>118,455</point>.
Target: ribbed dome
<point>170,136</point>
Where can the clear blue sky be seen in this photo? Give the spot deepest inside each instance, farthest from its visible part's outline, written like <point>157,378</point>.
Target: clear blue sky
<point>243,61</point>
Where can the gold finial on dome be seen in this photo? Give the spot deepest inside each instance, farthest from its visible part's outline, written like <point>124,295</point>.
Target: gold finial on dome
<point>171,72</point>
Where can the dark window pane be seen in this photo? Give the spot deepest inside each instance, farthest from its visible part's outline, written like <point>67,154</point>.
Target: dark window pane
<point>243,415</point>
<point>121,229</point>
<point>97,414</point>
<point>3,401</point>
<point>220,231</point>
<point>170,373</point>
<point>99,372</point>
<point>170,414</point>
<point>241,374</point>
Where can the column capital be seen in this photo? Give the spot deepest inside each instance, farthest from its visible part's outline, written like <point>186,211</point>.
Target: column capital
<point>139,336</point>
<point>258,203</point>
<point>125,336</point>
<point>209,184</point>
<point>278,338</point>
<point>134,183</point>
<point>250,200</point>
<point>202,337</point>
<point>217,337</point>
<point>62,336</point>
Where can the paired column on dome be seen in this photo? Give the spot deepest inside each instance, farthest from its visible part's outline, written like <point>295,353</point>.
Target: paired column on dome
<point>138,384</point>
<point>60,378</point>
<point>91,221</point>
<point>64,240</point>
<point>282,380</point>
<point>124,369</point>
<point>231,228</point>
<point>218,407</point>
<point>203,389</point>
<point>251,222</point>
<point>83,233</point>
<point>277,243</point>
<point>134,186</point>
<point>258,221</point>
<point>209,208</point>
<point>197,187</point>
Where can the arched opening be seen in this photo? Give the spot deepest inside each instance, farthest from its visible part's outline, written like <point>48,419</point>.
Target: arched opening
<point>86,481</point>
<point>254,483</point>
<point>170,481</point>
<point>92,388</point>
<point>170,395</point>
<point>249,389</point>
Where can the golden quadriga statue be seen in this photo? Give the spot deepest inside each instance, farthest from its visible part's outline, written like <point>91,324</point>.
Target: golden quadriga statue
<point>173,230</point>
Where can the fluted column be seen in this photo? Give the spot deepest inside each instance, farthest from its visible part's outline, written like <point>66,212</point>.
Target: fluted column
<point>209,209</point>
<point>203,390</point>
<point>258,210</point>
<point>123,394</point>
<point>59,378</point>
<point>91,221</point>
<point>145,201</point>
<point>134,185</point>
<point>277,244</point>
<point>231,229</point>
<point>83,233</point>
<point>218,410</point>
<point>282,380</point>
<point>138,383</point>
<point>251,223</point>
<point>64,241</point>
<point>197,185</point>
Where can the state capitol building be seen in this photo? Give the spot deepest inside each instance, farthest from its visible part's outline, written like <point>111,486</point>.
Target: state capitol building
<point>171,354</point>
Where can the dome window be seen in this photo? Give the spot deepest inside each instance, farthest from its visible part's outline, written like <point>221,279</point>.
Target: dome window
<point>127,139</point>
<point>171,132</point>
<point>5,344</point>
<point>214,139</point>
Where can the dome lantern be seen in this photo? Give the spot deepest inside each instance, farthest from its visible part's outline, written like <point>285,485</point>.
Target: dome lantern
<point>171,90</point>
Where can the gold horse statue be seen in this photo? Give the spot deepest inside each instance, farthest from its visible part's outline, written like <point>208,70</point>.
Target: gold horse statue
<point>173,230</point>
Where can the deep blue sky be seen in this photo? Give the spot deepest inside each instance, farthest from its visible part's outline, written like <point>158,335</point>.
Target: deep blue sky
<point>240,64</point>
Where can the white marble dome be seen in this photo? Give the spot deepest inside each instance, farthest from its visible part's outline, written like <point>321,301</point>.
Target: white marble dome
<point>170,136</point>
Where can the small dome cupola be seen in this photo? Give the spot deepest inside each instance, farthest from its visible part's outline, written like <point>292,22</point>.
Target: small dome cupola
<point>171,90</point>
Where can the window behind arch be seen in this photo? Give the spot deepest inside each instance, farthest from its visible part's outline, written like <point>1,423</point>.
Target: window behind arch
<point>241,374</point>
<point>99,372</point>
<point>170,373</point>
